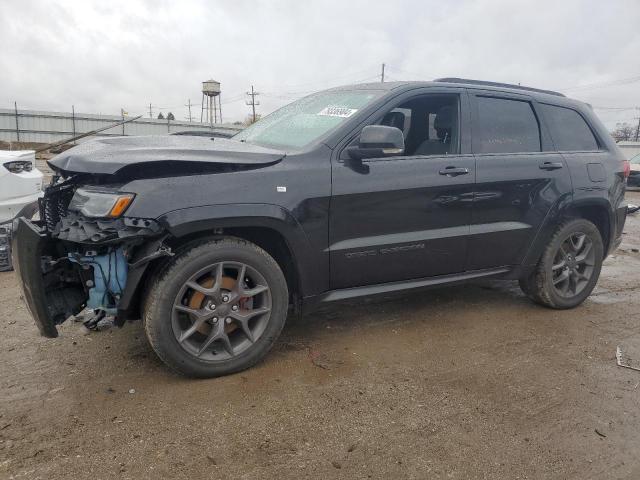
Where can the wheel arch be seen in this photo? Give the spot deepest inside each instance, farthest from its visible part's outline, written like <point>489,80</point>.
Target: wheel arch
<point>270,240</point>
<point>597,210</point>
<point>271,227</point>
<point>597,213</point>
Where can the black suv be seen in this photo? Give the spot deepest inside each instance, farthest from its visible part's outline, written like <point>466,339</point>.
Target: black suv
<point>349,192</point>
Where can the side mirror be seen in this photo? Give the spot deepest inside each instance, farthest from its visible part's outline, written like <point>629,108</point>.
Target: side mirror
<point>378,141</point>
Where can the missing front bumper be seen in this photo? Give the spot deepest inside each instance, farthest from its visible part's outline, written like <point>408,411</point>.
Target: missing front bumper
<point>52,294</point>
<point>59,279</point>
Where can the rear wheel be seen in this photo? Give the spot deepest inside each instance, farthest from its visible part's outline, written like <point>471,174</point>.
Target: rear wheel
<point>217,308</point>
<point>569,267</point>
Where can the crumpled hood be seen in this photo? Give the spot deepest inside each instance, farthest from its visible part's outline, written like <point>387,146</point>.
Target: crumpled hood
<point>108,155</point>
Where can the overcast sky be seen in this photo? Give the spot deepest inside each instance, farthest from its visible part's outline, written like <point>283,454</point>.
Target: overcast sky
<point>105,55</point>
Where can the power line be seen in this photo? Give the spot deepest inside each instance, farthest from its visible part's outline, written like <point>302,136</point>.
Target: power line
<point>330,80</point>
<point>366,78</point>
<point>278,94</point>
<point>300,93</point>
<point>614,108</point>
<point>234,99</point>
<point>588,86</point>
<point>405,72</point>
<point>624,120</point>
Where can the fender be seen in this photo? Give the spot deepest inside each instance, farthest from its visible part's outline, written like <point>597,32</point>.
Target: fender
<point>186,221</point>
<point>616,217</point>
<point>562,210</point>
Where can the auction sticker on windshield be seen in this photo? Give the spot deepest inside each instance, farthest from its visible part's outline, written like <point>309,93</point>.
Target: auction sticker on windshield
<point>332,111</point>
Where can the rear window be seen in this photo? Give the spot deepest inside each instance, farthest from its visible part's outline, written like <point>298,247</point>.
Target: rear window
<point>569,130</point>
<point>506,126</point>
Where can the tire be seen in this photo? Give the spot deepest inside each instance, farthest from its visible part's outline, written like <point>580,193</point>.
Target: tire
<point>182,296</point>
<point>560,280</point>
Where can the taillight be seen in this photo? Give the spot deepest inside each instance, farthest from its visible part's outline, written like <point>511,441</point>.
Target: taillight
<point>19,166</point>
<point>626,168</point>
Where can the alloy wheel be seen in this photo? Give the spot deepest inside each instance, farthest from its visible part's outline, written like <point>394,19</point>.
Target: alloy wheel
<point>221,311</point>
<point>573,265</point>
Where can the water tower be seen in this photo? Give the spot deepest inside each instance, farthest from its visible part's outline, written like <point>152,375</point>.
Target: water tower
<point>211,91</point>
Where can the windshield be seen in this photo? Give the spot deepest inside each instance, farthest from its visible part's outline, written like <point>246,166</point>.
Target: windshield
<point>306,120</point>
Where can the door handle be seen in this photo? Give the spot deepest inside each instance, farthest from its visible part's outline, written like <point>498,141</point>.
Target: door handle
<point>550,166</point>
<point>454,171</point>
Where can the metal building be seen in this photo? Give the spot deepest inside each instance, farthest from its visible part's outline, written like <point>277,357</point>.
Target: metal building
<point>629,148</point>
<point>49,127</point>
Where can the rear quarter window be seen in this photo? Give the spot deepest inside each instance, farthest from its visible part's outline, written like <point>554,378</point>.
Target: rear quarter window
<point>569,130</point>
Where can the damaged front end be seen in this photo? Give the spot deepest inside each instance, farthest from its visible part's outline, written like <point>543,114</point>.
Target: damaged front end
<point>83,254</point>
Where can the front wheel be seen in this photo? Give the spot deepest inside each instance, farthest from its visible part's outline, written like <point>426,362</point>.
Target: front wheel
<point>569,267</point>
<point>217,308</point>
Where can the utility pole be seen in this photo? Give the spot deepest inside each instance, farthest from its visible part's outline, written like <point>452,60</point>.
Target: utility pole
<point>189,105</point>
<point>253,102</point>
<point>73,120</point>
<point>15,106</point>
<point>382,74</point>
<point>150,111</point>
<point>637,128</point>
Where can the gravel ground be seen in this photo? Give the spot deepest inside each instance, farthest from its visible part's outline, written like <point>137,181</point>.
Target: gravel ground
<point>463,382</point>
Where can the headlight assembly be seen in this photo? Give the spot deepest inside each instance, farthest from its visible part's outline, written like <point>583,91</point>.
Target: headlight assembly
<point>19,166</point>
<point>95,203</point>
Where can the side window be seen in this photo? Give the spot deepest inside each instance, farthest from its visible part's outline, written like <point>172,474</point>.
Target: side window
<point>435,129</point>
<point>430,124</point>
<point>569,130</point>
<point>505,126</point>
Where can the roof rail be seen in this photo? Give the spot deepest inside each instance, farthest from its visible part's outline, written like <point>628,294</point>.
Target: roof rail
<point>496,84</point>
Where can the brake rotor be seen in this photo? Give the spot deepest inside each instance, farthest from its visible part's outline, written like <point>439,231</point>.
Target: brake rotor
<point>197,302</point>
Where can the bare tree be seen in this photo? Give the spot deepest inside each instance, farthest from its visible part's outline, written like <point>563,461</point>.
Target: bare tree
<point>251,119</point>
<point>623,132</point>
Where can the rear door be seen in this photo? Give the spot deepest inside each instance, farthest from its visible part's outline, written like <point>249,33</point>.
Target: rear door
<point>405,217</point>
<point>519,178</point>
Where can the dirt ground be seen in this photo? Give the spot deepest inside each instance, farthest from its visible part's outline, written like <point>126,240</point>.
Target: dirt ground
<point>461,382</point>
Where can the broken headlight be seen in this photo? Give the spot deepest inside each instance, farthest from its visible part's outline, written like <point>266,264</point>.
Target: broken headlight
<point>97,203</point>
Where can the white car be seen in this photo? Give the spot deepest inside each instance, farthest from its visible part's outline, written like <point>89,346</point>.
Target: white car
<point>634,176</point>
<point>20,188</point>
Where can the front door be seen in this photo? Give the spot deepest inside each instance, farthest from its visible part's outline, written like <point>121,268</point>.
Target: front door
<point>405,217</point>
